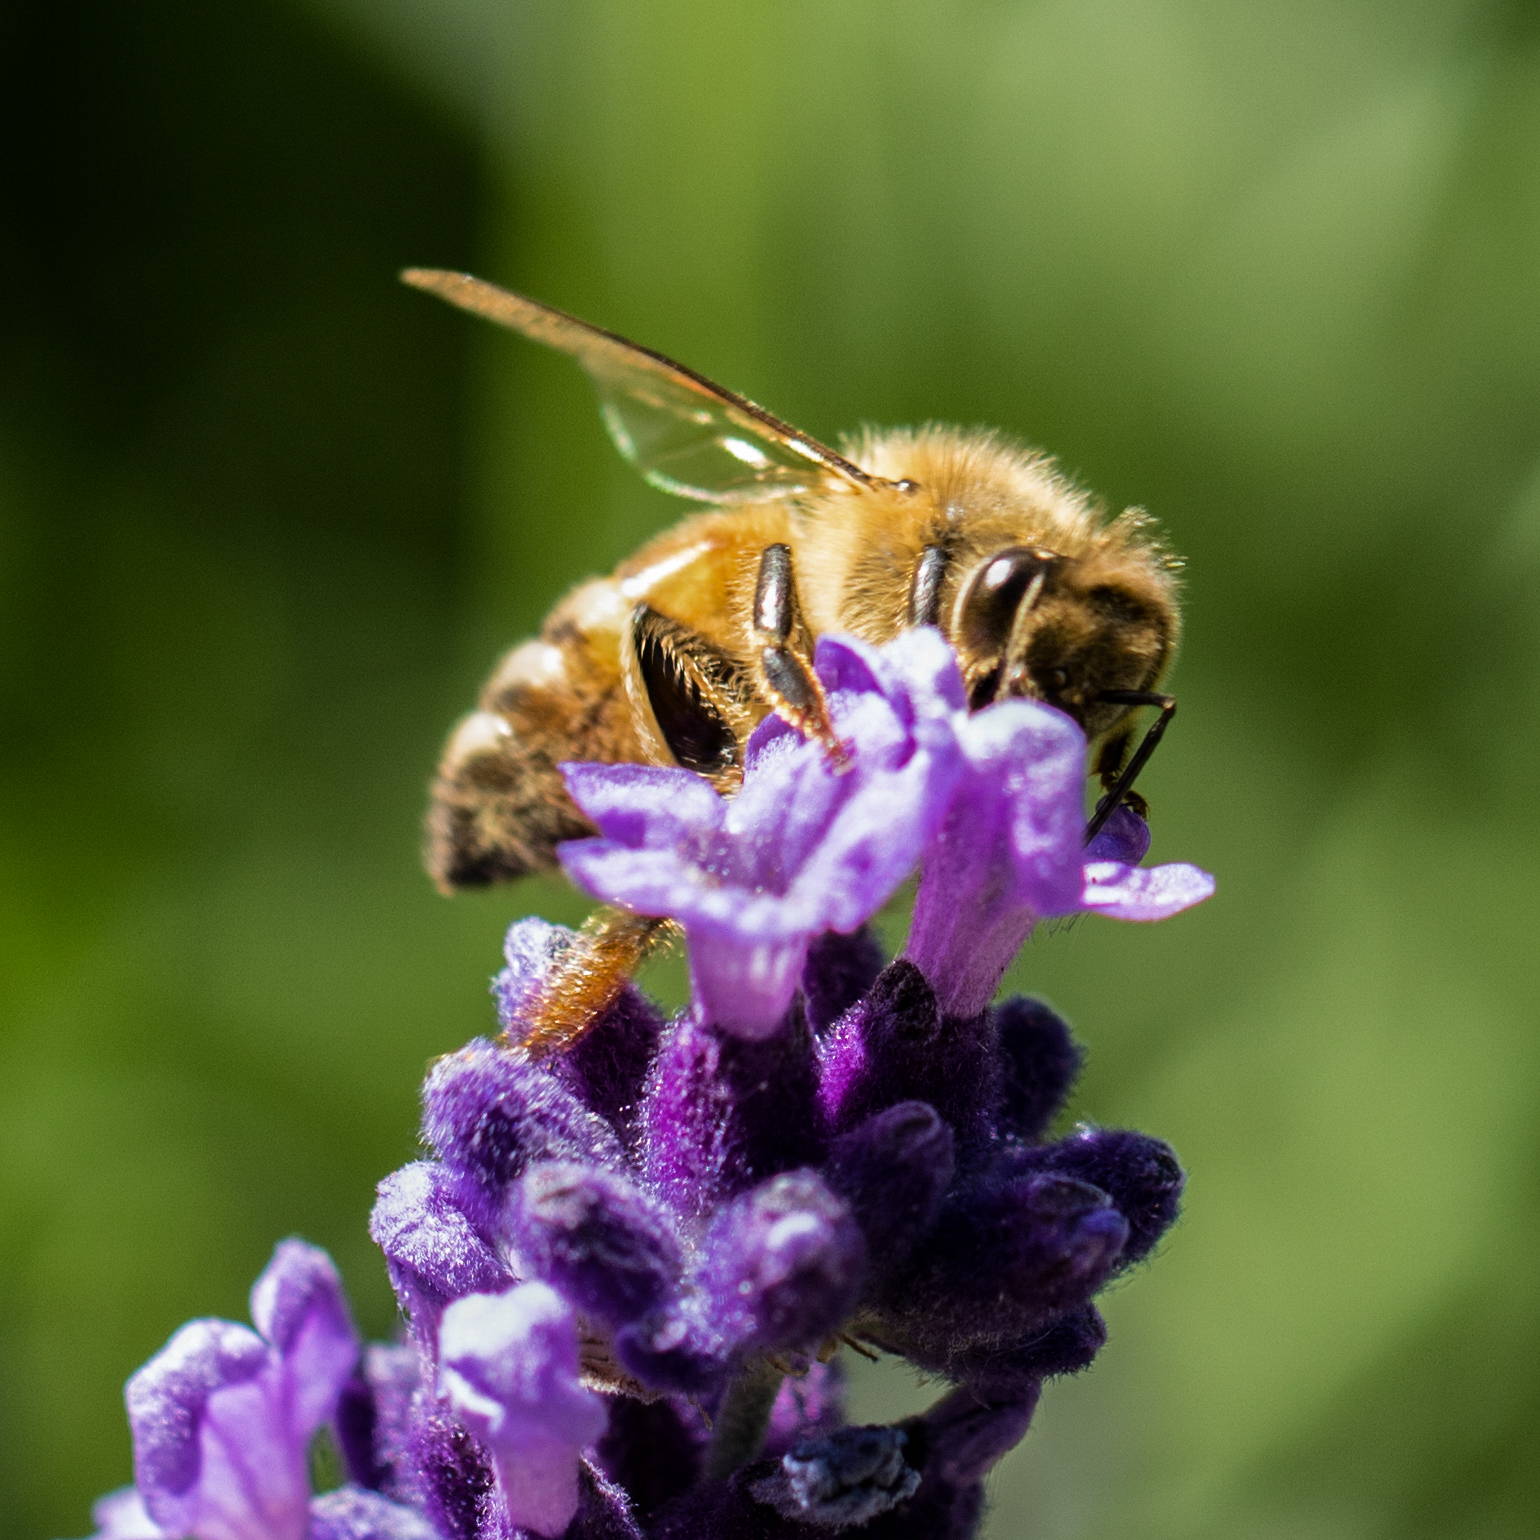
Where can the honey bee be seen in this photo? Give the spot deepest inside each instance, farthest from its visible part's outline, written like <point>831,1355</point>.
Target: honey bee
<point>676,656</point>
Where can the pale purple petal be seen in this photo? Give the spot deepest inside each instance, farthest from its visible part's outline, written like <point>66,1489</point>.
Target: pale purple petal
<point>1011,853</point>
<point>647,881</point>
<point>743,986</point>
<point>215,1450</point>
<point>644,804</point>
<point>298,1305</point>
<point>1033,758</point>
<point>1139,893</point>
<point>350,1513</point>
<point>509,1366</point>
<point>121,1516</point>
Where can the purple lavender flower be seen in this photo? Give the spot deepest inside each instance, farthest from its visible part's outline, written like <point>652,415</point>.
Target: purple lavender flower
<point>510,1372</point>
<point>223,1417</point>
<point>801,850</point>
<point>1011,853</point>
<point>625,1270</point>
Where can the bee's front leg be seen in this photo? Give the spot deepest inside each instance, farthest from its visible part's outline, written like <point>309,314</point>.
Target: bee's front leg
<point>786,652</point>
<point>1118,778</point>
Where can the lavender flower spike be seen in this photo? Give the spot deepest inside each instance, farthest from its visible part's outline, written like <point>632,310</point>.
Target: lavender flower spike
<point>804,847</point>
<point>510,1371</point>
<point>820,1151</point>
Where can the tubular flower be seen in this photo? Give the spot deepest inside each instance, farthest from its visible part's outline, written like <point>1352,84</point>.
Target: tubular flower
<point>624,1270</point>
<point>223,1418</point>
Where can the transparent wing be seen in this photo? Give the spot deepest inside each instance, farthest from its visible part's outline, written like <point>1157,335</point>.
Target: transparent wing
<point>682,432</point>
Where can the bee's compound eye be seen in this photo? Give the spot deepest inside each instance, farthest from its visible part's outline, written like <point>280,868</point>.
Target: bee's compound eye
<point>996,590</point>
<point>1054,680</point>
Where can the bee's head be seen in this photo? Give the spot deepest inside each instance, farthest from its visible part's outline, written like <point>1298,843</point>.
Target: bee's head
<point>1062,629</point>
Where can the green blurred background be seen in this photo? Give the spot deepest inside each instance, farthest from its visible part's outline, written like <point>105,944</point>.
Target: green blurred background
<point>266,518</point>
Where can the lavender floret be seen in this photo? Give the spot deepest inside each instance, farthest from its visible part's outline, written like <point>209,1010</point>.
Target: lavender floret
<point>510,1373</point>
<point>223,1418</point>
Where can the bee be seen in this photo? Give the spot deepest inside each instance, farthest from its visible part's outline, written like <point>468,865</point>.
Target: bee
<point>678,654</point>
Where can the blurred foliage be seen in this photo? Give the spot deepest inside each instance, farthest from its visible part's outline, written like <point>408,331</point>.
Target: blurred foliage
<point>1270,271</point>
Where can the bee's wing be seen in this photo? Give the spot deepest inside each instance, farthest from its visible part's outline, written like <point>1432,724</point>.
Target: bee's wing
<point>682,432</point>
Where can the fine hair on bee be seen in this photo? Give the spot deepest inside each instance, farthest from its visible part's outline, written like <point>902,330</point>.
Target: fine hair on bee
<point>676,656</point>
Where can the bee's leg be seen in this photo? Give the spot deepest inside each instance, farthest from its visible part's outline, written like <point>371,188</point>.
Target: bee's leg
<point>786,652</point>
<point>925,585</point>
<point>1109,766</point>
<point>691,687</point>
<point>1118,778</point>
<point>585,980</point>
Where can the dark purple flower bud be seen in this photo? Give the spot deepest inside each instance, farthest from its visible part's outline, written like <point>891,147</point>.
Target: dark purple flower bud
<point>1040,1061</point>
<point>840,969</point>
<point>897,1019</point>
<point>784,1264</point>
<point>455,1482</point>
<point>1124,838</point>
<point>374,1418</point>
<point>844,1479</point>
<point>606,1068</point>
<point>1003,1260</point>
<point>490,1111</point>
<point>722,1113</point>
<point>509,1367</point>
<point>965,1435</point>
<point>894,1045</point>
<point>734,1510</point>
<point>351,1514</point>
<point>605,1511</point>
<point>596,1238</point>
<point>893,1170</point>
<point>652,1451</point>
<point>1141,1176</point>
<point>678,1350</point>
<point>223,1418</point>
<point>804,847</point>
<point>432,1250</point>
<point>1065,1346</point>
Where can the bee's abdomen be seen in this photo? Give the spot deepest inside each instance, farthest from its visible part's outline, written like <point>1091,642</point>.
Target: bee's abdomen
<point>499,807</point>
